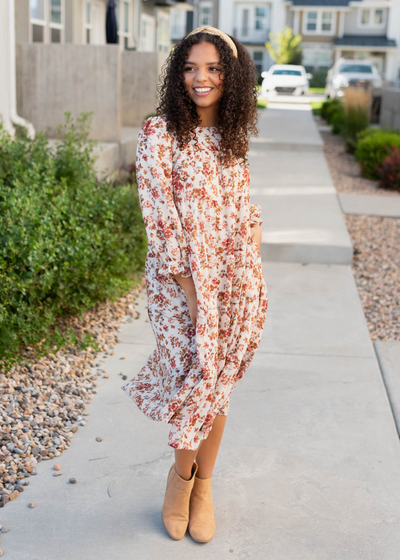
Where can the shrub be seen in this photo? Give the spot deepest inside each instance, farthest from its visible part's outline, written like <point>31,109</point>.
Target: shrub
<point>318,79</point>
<point>373,148</point>
<point>337,120</point>
<point>69,240</point>
<point>389,171</point>
<point>329,107</point>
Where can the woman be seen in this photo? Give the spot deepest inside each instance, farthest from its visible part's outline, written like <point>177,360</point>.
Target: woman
<point>207,298</point>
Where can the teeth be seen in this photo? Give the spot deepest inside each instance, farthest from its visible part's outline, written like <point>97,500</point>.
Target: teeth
<point>202,89</point>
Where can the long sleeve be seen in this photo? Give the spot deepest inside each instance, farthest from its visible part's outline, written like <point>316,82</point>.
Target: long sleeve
<point>255,214</point>
<point>154,177</point>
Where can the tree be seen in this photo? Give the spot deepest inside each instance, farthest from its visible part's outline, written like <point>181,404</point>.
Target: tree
<point>284,47</point>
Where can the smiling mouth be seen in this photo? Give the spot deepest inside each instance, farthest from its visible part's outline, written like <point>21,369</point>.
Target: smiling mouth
<point>202,91</point>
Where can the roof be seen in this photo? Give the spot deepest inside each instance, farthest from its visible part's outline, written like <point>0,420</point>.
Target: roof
<point>364,41</point>
<point>333,3</point>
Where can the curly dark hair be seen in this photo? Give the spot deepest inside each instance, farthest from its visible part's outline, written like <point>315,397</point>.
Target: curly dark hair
<point>237,111</point>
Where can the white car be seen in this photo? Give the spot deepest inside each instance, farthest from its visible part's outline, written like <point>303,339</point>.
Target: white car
<point>352,73</point>
<point>285,78</point>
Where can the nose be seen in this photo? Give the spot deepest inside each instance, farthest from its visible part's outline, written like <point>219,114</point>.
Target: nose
<point>201,75</point>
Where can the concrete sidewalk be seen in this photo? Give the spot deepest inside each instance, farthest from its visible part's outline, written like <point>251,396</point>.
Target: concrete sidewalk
<point>309,463</point>
<point>303,221</point>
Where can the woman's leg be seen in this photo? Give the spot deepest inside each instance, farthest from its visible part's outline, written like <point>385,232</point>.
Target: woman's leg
<point>184,459</point>
<point>205,454</point>
<point>208,449</point>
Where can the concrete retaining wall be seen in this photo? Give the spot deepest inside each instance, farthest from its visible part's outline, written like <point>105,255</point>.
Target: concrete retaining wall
<point>390,108</point>
<point>139,86</point>
<point>120,88</point>
<point>52,79</point>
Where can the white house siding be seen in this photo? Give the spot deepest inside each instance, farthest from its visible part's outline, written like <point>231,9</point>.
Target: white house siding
<point>352,22</point>
<point>230,21</point>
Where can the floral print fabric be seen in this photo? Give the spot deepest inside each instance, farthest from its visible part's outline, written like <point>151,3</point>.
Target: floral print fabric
<point>197,215</point>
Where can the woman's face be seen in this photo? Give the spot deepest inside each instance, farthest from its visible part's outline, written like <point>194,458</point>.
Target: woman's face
<point>202,75</point>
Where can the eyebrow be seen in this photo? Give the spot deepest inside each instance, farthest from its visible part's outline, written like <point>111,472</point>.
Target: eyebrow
<point>208,63</point>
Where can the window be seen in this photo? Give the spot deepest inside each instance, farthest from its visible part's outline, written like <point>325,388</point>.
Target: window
<point>319,22</point>
<point>258,57</point>
<point>286,73</point>
<point>356,69</point>
<point>312,21</point>
<point>37,9</point>
<point>178,23</point>
<point>205,15</point>
<point>314,58</point>
<point>124,16</point>
<point>260,17</point>
<point>365,16</point>
<point>46,18</point>
<point>163,41</point>
<point>147,33</point>
<point>378,17</point>
<point>88,22</point>
<point>327,21</point>
<point>372,17</point>
<point>252,22</point>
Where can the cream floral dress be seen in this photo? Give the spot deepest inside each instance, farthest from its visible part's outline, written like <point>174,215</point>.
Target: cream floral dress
<point>197,215</point>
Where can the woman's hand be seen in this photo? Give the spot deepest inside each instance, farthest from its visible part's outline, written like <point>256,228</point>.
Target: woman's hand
<point>188,287</point>
<point>256,234</point>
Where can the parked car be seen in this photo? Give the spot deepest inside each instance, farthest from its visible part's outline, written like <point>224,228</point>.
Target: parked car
<point>352,73</point>
<point>285,78</point>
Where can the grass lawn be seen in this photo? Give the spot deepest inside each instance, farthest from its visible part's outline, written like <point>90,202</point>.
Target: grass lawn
<point>316,90</point>
<point>316,107</point>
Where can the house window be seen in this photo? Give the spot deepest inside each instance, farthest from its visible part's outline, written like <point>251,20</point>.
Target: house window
<point>251,22</point>
<point>205,16</point>
<point>312,18</point>
<point>319,22</point>
<point>316,58</point>
<point>260,17</point>
<point>365,17</point>
<point>327,21</point>
<point>147,33</point>
<point>163,41</point>
<point>258,57</point>
<point>378,17</point>
<point>46,18</point>
<point>88,22</point>
<point>124,17</point>
<point>178,23</point>
<point>372,17</point>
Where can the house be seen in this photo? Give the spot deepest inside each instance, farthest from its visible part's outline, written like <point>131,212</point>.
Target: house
<point>63,63</point>
<point>344,28</point>
<point>251,22</point>
<point>143,25</point>
<point>185,18</point>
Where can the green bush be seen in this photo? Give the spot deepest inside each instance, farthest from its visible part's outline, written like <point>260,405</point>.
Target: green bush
<point>68,240</point>
<point>329,108</point>
<point>372,148</point>
<point>318,78</point>
<point>338,121</point>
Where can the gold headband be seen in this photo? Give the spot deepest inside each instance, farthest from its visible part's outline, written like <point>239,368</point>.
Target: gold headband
<point>215,31</point>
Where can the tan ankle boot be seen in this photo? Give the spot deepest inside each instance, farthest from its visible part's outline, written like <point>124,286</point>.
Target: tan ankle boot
<point>201,511</point>
<point>175,511</point>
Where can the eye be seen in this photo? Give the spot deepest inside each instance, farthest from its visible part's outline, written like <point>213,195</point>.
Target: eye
<point>215,68</point>
<point>188,68</point>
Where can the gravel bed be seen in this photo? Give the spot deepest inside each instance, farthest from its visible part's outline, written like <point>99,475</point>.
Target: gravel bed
<point>376,268</point>
<point>345,169</point>
<point>42,402</point>
<point>376,258</point>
